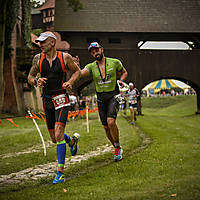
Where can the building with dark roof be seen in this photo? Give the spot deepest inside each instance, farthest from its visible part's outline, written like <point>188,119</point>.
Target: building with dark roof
<point>155,20</point>
<point>130,16</point>
<point>48,11</point>
<point>43,17</point>
<point>37,19</point>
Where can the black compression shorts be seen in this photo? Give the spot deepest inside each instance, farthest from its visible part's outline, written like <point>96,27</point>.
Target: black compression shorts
<point>108,108</point>
<point>54,116</point>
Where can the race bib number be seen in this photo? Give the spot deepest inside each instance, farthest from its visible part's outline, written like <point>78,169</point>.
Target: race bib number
<point>60,101</point>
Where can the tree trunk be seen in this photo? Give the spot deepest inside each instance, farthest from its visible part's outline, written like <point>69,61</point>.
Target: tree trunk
<point>2,45</point>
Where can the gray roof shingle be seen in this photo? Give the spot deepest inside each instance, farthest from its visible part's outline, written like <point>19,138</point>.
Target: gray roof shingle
<point>129,16</point>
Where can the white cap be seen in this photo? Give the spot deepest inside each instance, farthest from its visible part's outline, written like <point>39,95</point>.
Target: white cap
<point>130,84</point>
<point>44,36</point>
<point>94,45</point>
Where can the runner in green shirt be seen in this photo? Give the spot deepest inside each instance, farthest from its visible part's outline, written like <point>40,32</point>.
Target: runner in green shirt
<point>104,71</point>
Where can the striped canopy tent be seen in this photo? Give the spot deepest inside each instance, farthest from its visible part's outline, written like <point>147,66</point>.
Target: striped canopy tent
<point>162,84</point>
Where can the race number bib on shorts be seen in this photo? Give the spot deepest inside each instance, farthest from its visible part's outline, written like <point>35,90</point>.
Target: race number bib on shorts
<point>60,101</point>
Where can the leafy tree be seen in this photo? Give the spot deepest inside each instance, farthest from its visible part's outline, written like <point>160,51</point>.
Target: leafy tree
<point>36,4</point>
<point>75,5</point>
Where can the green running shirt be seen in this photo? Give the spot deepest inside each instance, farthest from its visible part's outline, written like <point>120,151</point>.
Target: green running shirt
<point>112,66</point>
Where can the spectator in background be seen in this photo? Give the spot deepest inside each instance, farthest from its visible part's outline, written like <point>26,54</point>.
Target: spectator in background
<point>82,104</point>
<point>73,101</point>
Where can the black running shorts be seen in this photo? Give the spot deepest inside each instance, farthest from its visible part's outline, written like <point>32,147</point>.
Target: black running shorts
<point>54,116</point>
<point>108,108</point>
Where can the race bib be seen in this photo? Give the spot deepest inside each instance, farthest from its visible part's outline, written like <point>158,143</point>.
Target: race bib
<point>60,101</point>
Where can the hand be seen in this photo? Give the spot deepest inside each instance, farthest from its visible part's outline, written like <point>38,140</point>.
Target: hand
<point>67,85</point>
<point>121,83</point>
<point>41,82</point>
<point>76,60</point>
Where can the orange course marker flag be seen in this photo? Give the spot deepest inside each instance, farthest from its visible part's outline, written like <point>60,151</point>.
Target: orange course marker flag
<point>11,121</point>
<point>42,117</point>
<point>1,123</point>
<point>35,116</point>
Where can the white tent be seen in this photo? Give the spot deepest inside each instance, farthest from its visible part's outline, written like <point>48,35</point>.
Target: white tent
<point>181,84</point>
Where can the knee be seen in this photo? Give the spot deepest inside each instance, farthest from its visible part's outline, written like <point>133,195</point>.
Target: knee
<point>59,133</point>
<point>58,137</point>
<point>111,122</point>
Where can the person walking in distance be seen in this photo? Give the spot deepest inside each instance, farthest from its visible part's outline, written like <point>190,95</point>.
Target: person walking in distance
<point>132,99</point>
<point>52,66</point>
<point>104,71</point>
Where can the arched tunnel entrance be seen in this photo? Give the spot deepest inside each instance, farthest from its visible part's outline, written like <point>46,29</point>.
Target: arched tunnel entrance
<point>190,87</point>
<point>168,87</point>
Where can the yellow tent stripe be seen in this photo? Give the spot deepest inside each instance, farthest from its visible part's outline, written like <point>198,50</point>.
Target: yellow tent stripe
<point>163,84</point>
<point>153,85</point>
<point>172,83</point>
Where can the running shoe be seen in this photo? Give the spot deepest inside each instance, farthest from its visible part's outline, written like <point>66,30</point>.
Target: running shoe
<point>132,122</point>
<point>59,178</point>
<point>75,146</point>
<point>118,154</point>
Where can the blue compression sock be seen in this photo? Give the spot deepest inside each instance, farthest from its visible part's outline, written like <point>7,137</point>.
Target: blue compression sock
<point>67,138</point>
<point>61,153</point>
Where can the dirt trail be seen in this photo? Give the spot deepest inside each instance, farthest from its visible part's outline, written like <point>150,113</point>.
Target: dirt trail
<point>41,171</point>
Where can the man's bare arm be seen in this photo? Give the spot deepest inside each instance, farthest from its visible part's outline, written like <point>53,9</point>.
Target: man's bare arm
<point>34,69</point>
<point>84,72</point>
<point>123,74</point>
<point>74,68</point>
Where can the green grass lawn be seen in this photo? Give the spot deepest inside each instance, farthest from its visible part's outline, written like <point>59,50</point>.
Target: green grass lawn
<point>168,168</point>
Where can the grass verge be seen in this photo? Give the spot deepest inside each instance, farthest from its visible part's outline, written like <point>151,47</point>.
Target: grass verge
<point>167,169</point>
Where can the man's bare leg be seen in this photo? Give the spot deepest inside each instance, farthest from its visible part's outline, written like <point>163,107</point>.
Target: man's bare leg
<point>114,132</point>
<point>52,135</point>
<point>108,134</point>
<point>132,115</point>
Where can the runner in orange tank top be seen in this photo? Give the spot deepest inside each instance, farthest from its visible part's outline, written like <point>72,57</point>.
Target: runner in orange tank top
<point>52,66</point>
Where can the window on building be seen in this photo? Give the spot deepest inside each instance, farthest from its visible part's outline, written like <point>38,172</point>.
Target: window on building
<point>165,45</point>
<point>44,13</point>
